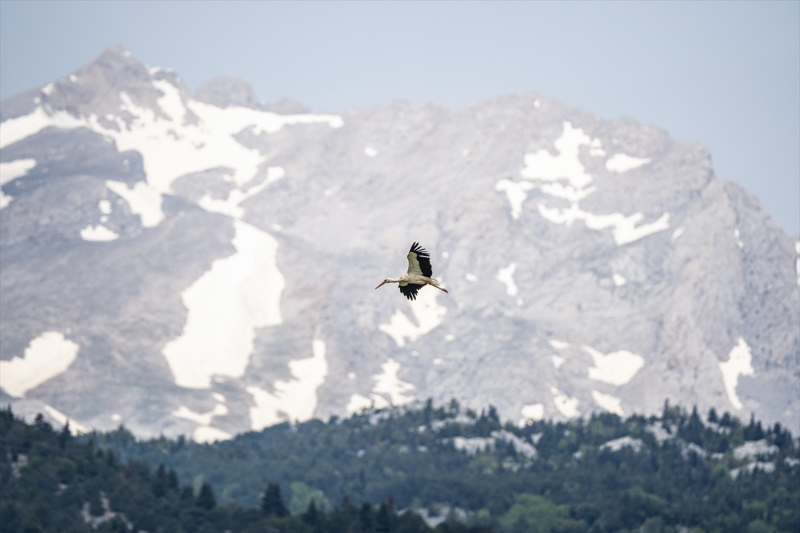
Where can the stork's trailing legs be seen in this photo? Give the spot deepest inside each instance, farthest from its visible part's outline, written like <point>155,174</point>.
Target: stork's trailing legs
<point>438,287</point>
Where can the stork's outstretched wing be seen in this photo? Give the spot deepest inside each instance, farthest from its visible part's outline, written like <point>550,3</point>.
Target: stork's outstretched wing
<point>410,290</point>
<point>419,262</point>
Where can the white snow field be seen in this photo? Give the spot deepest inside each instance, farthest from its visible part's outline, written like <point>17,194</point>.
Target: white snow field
<point>506,276</point>
<point>625,229</point>
<point>11,171</point>
<point>427,311</point>
<point>205,433</point>
<point>61,418</point>
<point>622,163</point>
<point>15,169</point>
<point>616,368</point>
<point>534,412</point>
<point>566,406</point>
<point>293,400</point>
<point>142,199</point>
<point>98,233</point>
<point>738,364</point>
<point>358,403</point>
<point>47,356</point>
<point>230,206</point>
<point>238,294</point>
<point>542,166</point>
<point>167,155</point>
<point>390,385</point>
<point>797,261</point>
<point>608,402</point>
<point>517,192</point>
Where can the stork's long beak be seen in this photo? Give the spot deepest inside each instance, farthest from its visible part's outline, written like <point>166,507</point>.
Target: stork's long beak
<point>382,282</point>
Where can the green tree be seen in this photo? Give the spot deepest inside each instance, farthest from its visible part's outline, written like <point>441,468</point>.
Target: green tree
<point>272,502</point>
<point>206,498</point>
<point>534,513</point>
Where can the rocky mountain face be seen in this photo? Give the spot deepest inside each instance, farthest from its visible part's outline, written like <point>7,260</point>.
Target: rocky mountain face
<point>205,264</point>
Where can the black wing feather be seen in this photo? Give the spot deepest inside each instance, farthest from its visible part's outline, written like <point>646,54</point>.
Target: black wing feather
<point>410,290</point>
<point>424,259</point>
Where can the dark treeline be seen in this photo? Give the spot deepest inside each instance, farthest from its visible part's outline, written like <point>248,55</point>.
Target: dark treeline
<point>54,482</point>
<point>354,475</point>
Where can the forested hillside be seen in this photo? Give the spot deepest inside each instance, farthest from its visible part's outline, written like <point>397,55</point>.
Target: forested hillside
<point>456,470</point>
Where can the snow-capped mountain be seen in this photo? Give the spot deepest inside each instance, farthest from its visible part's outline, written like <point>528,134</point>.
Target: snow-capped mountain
<point>204,264</point>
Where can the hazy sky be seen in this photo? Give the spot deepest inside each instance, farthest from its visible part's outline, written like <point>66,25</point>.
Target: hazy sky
<point>724,73</point>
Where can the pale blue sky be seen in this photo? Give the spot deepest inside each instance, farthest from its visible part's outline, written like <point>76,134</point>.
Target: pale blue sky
<point>723,73</point>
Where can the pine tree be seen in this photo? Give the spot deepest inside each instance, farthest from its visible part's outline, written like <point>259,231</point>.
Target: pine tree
<point>272,502</point>
<point>206,498</point>
<point>384,518</point>
<point>312,516</point>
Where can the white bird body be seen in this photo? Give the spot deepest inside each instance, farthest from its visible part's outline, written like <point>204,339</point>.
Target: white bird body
<point>418,274</point>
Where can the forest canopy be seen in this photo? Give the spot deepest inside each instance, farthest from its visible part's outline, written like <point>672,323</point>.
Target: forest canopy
<point>410,469</point>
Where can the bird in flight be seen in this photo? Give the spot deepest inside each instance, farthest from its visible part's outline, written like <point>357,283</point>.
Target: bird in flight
<point>418,275</point>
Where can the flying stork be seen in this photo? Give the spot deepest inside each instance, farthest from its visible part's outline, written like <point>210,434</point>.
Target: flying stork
<point>418,275</point>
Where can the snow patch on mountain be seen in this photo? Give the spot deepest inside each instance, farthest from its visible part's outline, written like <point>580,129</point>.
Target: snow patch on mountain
<point>544,166</point>
<point>506,276</point>
<point>797,262</point>
<point>739,242</point>
<point>98,233</point>
<point>203,419</point>
<point>358,403</point>
<point>204,433</point>
<point>608,402</point>
<point>616,368</point>
<point>427,311</point>
<point>625,229</point>
<point>293,400</point>
<point>15,169</point>
<point>389,384</point>
<point>566,405</point>
<point>170,147</point>
<point>531,412</point>
<point>738,364</point>
<point>61,418</point>
<point>238,294</point>
<point>207,435</point>
<point>230,206</point>
<point>142,199</point>
<point>47,356</point>
<point>566,166</point>
<point>516,193</point>
<point>10,171</point>
<point>620,163</point>
<point>520,446</point>
<point>16,129</point>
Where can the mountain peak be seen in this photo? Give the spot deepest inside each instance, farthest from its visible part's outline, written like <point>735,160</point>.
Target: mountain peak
<point>226,91</point>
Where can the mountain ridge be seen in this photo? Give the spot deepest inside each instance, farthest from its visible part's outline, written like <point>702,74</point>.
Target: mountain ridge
<point>592,264</point>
